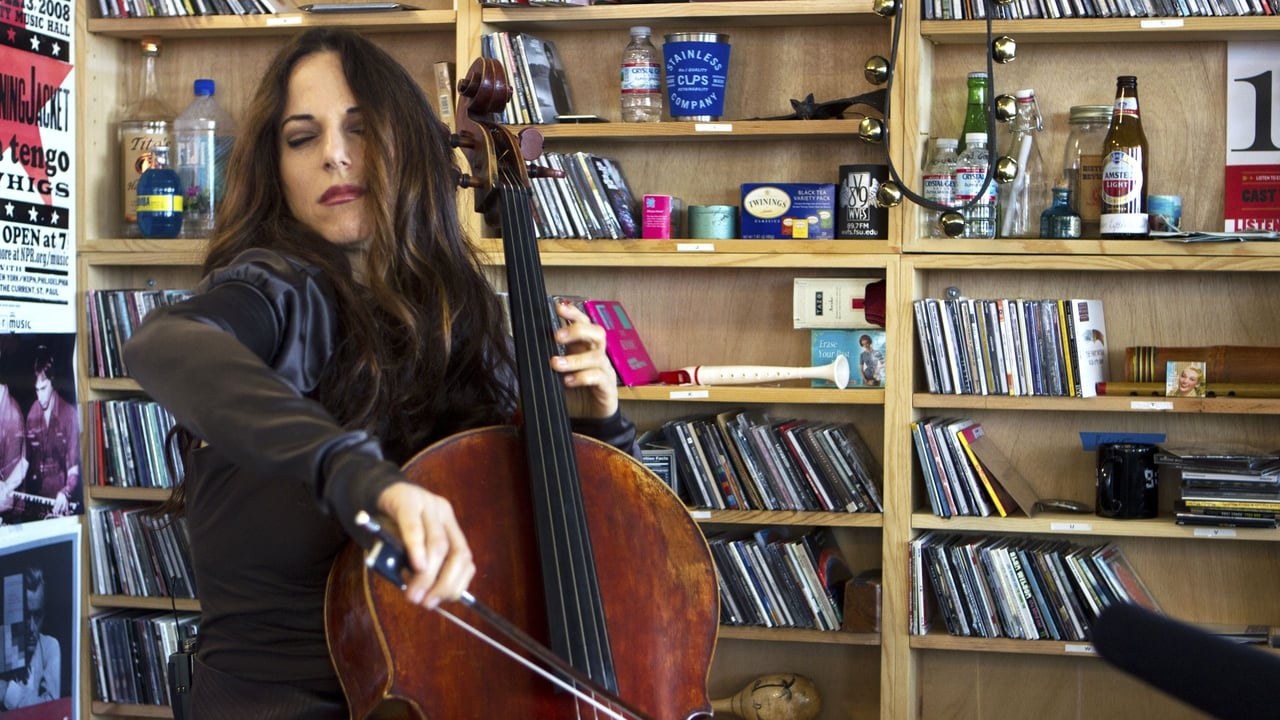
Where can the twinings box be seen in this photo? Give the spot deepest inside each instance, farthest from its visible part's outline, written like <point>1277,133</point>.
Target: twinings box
<point>660,217</point>
<point>799,211</point>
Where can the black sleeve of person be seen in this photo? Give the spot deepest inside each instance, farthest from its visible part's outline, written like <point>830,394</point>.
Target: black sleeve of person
<point>1218,676</point>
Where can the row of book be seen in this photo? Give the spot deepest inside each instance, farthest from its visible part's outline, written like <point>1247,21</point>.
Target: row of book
<point>539,86</point>
<point>965,473</point>
<point>586,196</point>
<point>185,8</point>
<point>1005,346</point>
<point>1225,485</point>
<point>1017,587</point>
<point>747,460</point>
<point>774,578</point>
<point>126,445</point>
<point>112,317</point>
<point>1055,9</point>
<point>138,553</point>
<point>130,651</point>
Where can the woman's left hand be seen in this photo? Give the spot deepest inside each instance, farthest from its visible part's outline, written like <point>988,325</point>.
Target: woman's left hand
<point>590,382</point>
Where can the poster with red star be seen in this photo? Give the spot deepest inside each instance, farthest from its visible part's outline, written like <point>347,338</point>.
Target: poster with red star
<point>37,166</point>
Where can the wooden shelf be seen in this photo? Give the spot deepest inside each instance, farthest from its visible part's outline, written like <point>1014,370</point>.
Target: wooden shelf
<point>144,603</point>
<point>791,635</point>
<point>122,710</point>
<point>1109,403</point>
<point>136,494</point>
<point>679,15</point>
<point>1106,30</point>
<point>282,24</point>
<point>942,641</point>
<point>694,253</point>
<point>1089,526</point>
<point>775,517</point>
<point>726,130</point>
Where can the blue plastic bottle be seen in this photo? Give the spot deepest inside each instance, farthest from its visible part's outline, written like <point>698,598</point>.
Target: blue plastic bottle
<point>160,199</point>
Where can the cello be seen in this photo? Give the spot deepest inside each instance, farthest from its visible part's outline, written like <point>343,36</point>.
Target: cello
<point>591,564</point>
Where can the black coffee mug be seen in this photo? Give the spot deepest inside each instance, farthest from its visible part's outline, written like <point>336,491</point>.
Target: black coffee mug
<point>1127,477</point>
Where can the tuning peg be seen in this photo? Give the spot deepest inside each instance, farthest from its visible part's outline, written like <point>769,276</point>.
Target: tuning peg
<point>530,143</point>
<point>462,141</point>
<point>541,171</point>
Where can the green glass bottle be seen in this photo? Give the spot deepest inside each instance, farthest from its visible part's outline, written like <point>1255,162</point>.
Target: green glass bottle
<point>975,113</point>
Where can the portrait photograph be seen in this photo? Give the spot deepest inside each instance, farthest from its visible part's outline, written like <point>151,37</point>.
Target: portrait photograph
<point>39,428</point>
<point>1185,379</point>
<point>39,580</point>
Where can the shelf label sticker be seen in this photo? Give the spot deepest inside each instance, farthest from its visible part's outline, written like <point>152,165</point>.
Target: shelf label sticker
<point>713,127</point>
<point>695,247</point>
<point>1215,532</point>
<point>1071,527</point>
<point>700,514</point>
<point>690,394</point>
<point>1161,23</point>
<point>1151,405</point>
<point>1085,649</point>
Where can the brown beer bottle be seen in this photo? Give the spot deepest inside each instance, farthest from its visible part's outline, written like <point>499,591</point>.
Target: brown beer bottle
<point>1124,167</point>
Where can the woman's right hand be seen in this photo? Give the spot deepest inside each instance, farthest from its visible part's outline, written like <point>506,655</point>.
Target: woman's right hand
<point>438,553</point>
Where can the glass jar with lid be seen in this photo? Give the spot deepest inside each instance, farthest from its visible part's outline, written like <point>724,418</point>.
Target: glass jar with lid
<point>1082,163</point>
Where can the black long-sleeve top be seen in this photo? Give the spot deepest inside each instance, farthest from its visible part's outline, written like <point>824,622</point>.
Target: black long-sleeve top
<point>277,477</point>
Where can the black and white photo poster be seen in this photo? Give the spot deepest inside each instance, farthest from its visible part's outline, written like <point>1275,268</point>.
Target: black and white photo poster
<point>40,601</point>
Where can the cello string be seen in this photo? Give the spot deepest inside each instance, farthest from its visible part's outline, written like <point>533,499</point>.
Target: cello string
<point>576,567</point>
<point>600,707</point>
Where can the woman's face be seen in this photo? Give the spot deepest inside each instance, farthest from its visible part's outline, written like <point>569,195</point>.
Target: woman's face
<point>1187,379</point>
<point>322,151</point>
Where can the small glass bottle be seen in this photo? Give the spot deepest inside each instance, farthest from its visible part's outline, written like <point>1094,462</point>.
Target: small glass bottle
<point>145,124</point>
<point>1059,220</point>
<point>1082,163</point>
<point>1027,195</point>
<point>641,79</point>
<point>971,176</point>
<point>975,111</point>
<point>160,198</point>
<point>940,183</point>
<point>1124,167</point>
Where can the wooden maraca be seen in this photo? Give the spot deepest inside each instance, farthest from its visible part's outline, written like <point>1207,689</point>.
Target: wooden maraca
<point>784,696</point>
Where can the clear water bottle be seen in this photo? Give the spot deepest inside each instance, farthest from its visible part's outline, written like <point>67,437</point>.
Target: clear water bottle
<point>641,79</point>
<point>160,198</point>
<point>971,174</point>
<point>940,183</point>
<point>1027,195</point>
<point>204,133</point>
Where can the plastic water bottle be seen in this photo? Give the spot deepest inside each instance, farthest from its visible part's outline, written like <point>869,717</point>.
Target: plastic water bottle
<point>940,182</point>
<point>160,198</point>
<point>204,133</point>
<point>971,173</point>
<point>641,79</point>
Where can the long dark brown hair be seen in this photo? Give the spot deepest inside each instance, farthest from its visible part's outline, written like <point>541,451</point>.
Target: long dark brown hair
<point>425,350</point>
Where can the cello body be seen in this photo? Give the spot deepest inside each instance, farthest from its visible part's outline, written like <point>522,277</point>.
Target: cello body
<point>662,610</point>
